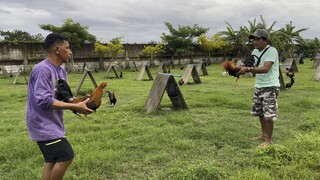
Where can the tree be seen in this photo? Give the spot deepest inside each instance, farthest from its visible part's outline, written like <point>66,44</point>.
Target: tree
<point>209,44</point>
<point>239,39</point>
<point>76,33</point>
<point>234,40</point>
<point>152,50</point>
<point>286,39</point>
<point>253,26</point>
<point>17,36</point>
<point>181,41</point>
<point>113,49</point>
<point>263,25</point>
<point>310,48</point>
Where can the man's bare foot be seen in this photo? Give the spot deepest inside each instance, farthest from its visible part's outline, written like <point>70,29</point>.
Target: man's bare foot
<point>258,138</point>
<point>265,144</point>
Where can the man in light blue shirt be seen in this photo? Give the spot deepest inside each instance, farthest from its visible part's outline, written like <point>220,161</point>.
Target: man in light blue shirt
<point>264,103</point>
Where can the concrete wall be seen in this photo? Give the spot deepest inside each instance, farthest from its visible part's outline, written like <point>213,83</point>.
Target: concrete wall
<point>10,52</point>
<point>28,54</point>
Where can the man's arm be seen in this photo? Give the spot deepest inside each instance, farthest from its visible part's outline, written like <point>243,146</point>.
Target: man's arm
<point>80,107</point>
<point>257,70</point>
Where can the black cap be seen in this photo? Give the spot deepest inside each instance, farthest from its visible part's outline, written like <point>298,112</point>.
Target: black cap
<point>260,33</point>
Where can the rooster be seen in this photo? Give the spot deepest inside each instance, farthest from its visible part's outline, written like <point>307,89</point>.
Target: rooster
<point>112,98</point>
<point>288,85</point>
<point>65,94</point>
<point>181,82</point>
<point>289,73</point>
<point>95,98</point>
<point>231,68</point>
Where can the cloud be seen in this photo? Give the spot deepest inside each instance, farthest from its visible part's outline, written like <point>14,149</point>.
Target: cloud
<point>142,21</point>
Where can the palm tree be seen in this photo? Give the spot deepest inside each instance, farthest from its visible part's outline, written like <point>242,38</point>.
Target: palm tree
<point>233,38</point>
<point>239,39</point>
<point>253,26</point>
<point>288,37</point>
<point>283,39</point>
<point>263,25</point>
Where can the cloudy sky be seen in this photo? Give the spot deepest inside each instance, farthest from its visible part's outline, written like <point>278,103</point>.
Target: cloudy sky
<point>142,21</point>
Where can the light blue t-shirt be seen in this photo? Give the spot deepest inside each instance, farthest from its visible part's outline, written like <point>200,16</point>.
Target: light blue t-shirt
<point>271,78</point>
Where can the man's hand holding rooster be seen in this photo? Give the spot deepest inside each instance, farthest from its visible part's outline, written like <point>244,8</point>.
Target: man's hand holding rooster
<point>82,107</point>
<point>243,70</point>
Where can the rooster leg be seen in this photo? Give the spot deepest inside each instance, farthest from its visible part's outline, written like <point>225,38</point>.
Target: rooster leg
<point>235,81</point>
<point>83,116</point>
<point>80,115</point>
<point>77,114</point>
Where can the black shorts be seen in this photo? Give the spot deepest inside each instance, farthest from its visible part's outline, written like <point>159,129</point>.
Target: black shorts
<point>56,150</point>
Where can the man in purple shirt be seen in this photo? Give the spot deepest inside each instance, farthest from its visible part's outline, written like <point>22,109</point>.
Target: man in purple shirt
<point>44,114</point>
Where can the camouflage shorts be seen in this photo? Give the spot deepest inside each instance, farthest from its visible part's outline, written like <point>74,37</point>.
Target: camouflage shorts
<point>264,102</point>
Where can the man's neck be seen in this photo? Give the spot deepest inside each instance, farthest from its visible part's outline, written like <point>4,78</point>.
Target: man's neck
<point>264,47</point>
<point>53,60</point>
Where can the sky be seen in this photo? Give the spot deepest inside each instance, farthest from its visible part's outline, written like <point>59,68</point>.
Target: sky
<point>142,21</point>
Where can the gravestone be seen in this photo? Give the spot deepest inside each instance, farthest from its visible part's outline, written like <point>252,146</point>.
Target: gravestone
<point>316,76</point>
<point>289,66</point>
<point>315,63</point>
<point>20,72</point>
<point>282,84</point>
<point>162,68</point>
<point>164,82</point>
<point>190,71</point>
<point>4,71</point>
<point>144,68</point>
<point>113,69</point>
<point>134,66</point>
<point>293,67</point>
<point>85,73</point>
<point>202,67</point>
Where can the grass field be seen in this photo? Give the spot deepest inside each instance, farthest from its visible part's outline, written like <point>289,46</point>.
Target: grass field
<point>210,140</point>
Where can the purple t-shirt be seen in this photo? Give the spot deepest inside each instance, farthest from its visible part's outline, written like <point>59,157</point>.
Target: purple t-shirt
<point>44,123</point>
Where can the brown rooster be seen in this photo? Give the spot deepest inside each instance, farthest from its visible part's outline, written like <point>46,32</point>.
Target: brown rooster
<point>95,98</point>
<point>231,68</point>
<point>65,94</point>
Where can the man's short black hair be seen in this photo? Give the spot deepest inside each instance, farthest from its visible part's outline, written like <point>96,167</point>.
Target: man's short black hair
<point>52,39</point>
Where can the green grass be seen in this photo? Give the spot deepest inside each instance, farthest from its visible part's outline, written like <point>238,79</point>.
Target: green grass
<point>209,140</point>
